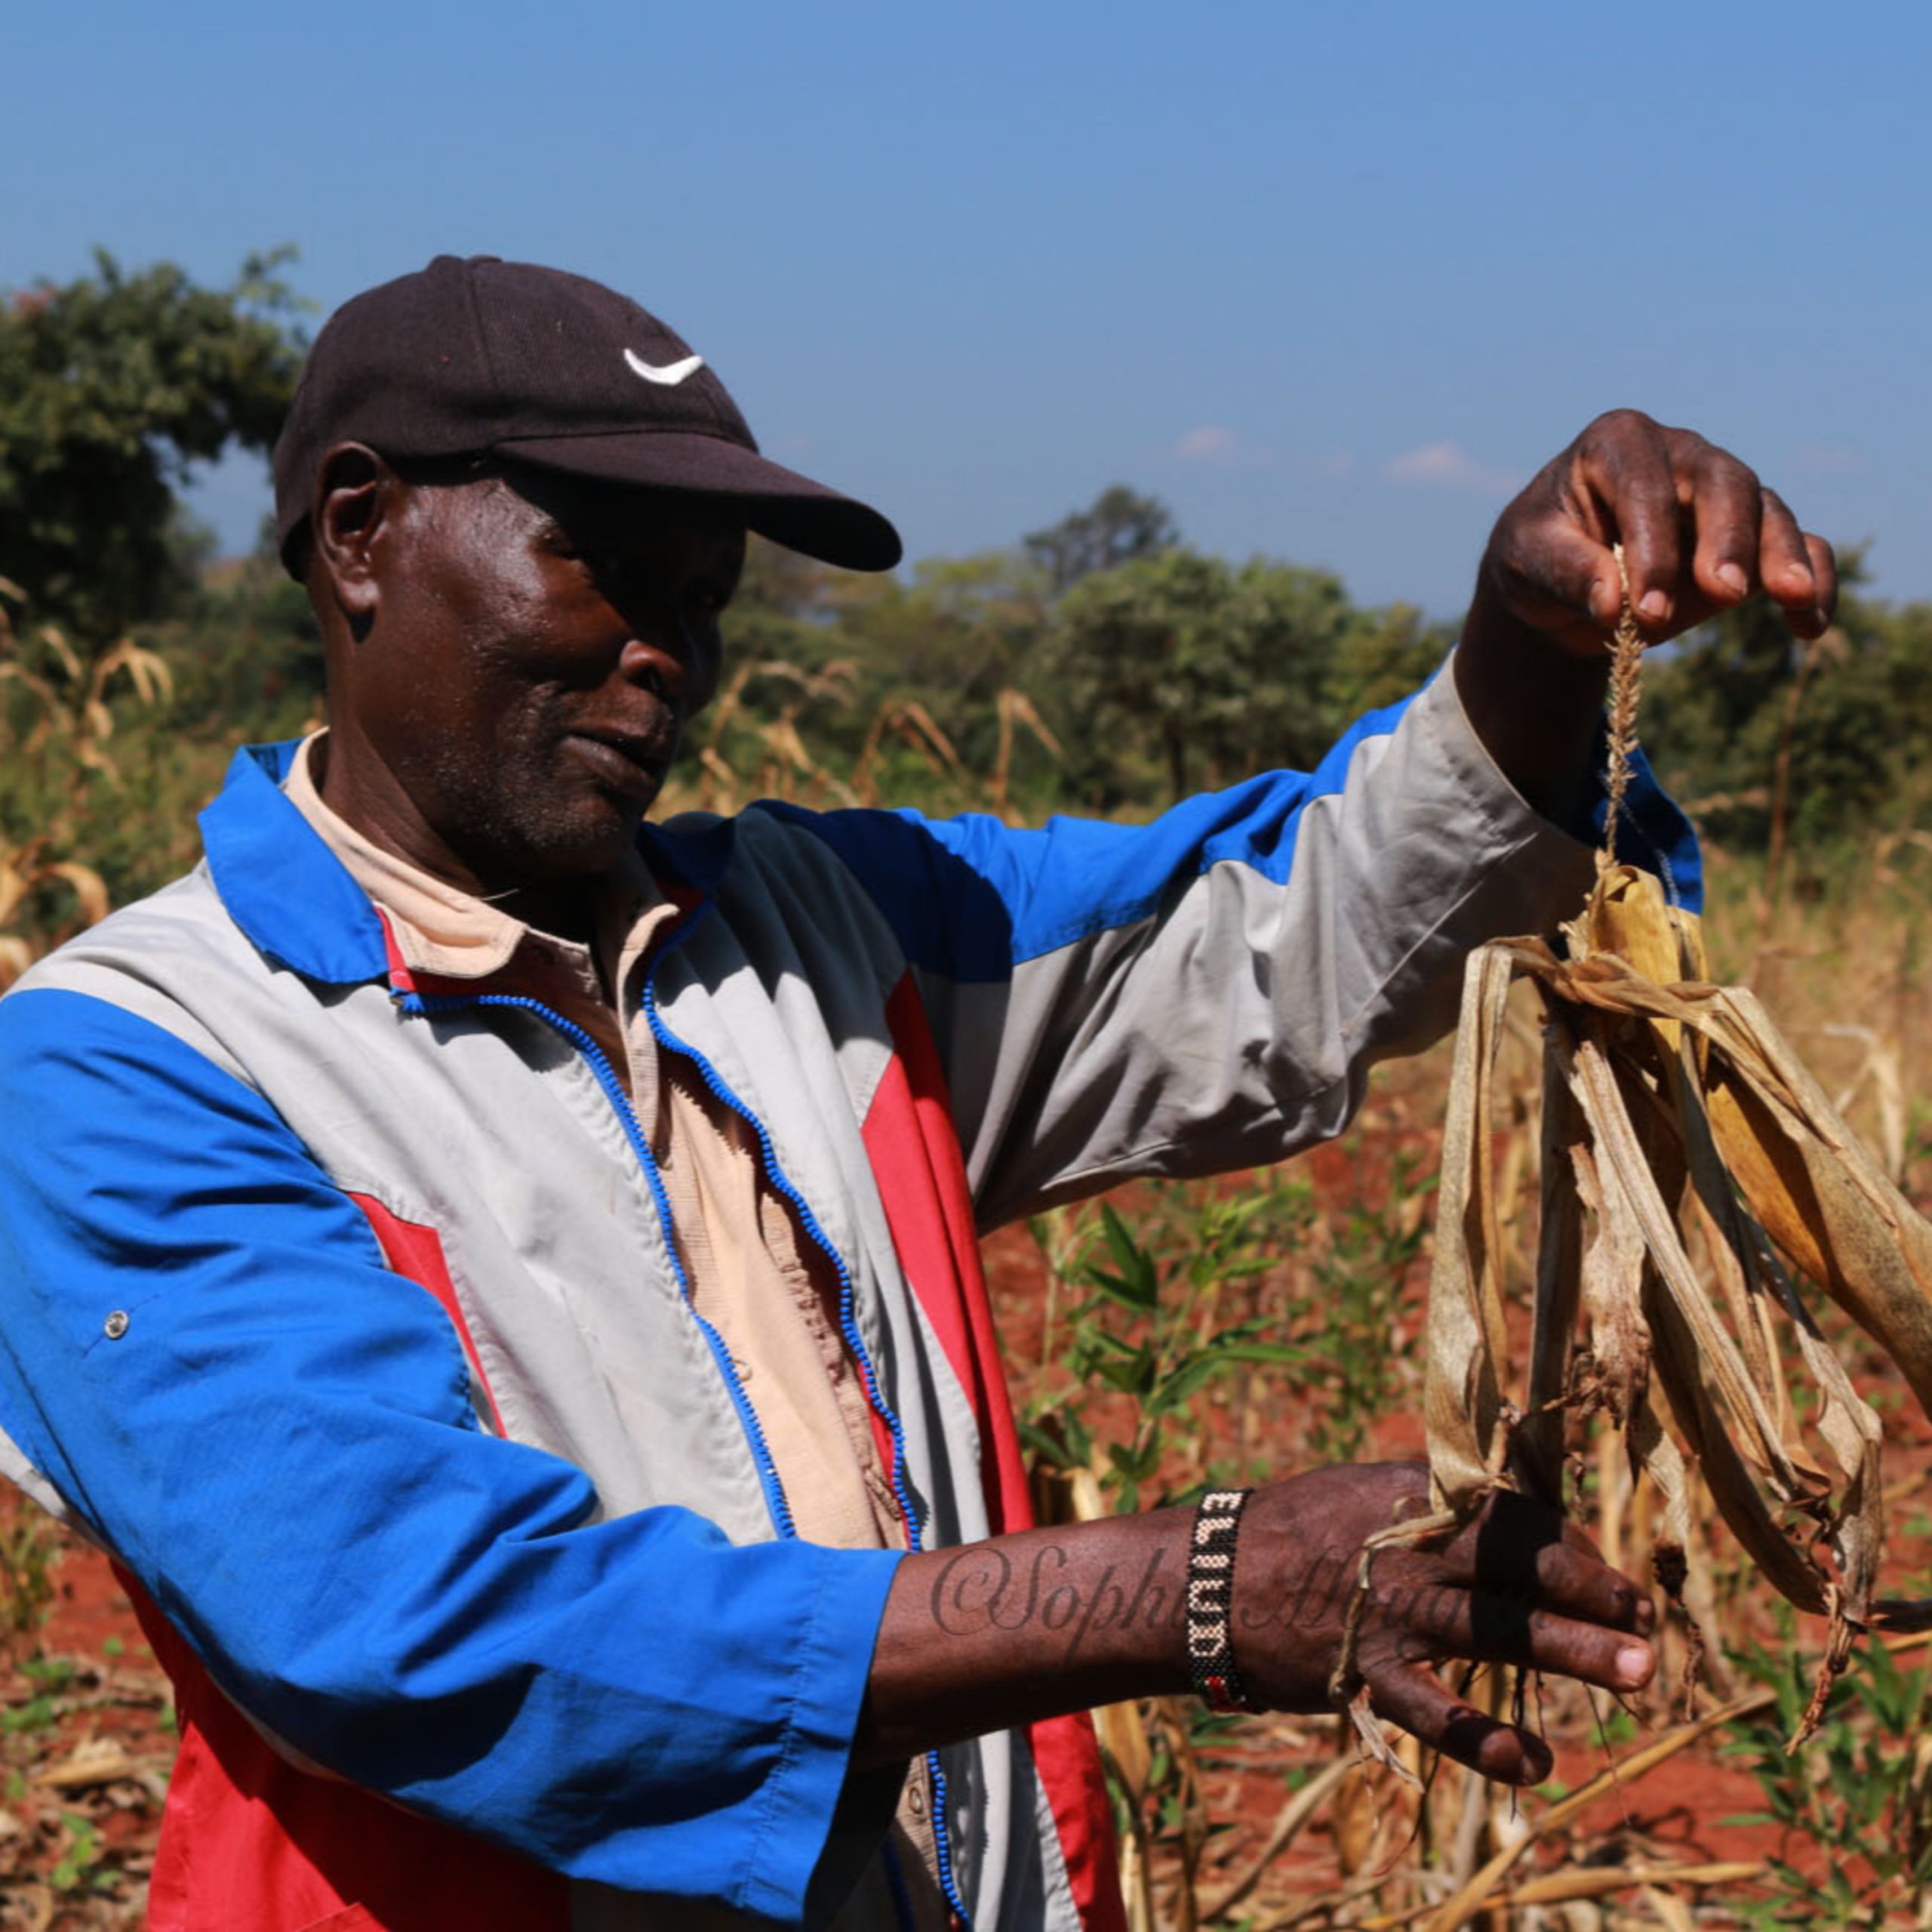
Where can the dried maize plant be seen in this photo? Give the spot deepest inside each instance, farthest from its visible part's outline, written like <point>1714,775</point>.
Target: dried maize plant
<point>58,728</point>
<point>1670,1106</point>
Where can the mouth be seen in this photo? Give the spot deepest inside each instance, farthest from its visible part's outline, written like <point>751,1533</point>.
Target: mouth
<point>630,763</point>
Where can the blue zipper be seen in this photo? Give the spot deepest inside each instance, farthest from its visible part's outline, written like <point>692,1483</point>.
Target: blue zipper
<point>848,1327</point>
<point>613,1090</point>
<point>774,1490</point>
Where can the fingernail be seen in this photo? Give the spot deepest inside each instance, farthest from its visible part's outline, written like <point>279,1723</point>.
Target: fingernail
<point>1653,606</point>
<point>1633,1664</point>
<point>1733,579</point>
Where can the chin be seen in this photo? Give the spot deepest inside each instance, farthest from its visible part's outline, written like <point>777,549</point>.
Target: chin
<point>583,846</point>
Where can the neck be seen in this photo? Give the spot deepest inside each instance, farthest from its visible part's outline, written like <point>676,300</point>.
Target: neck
<point>361,793</point>
<point>566,910</point>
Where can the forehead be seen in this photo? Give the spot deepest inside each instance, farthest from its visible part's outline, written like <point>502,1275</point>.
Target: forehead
<point>612,514</point>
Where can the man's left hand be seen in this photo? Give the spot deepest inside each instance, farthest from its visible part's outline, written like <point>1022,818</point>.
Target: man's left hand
<point>1700,533</point>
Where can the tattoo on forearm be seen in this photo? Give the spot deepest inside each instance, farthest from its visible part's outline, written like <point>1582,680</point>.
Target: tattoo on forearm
<point>983,1589</point>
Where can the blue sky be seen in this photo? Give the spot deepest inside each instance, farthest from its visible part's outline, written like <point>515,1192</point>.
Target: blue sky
<point>1331,278</point>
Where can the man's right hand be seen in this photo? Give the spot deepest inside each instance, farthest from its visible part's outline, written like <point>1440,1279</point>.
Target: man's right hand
<point>1518,1585</point>
<point>995,1634</point>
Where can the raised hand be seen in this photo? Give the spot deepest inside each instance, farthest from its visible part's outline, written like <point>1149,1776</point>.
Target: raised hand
<point>1700,533</point>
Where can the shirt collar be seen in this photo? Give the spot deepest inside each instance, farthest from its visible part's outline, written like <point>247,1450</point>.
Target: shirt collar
<point>298,904</point>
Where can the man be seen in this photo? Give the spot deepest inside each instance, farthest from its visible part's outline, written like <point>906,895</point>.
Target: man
<point>499,1274</point>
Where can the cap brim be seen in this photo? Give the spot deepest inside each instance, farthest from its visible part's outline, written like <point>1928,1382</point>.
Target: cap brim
<point>777,502</point>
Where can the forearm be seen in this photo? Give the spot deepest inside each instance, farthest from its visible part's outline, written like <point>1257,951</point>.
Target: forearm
<point>997,1633</point>
<point>1249,955</point>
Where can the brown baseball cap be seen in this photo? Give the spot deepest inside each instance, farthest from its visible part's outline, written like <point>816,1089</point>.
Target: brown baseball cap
<point>466,358</point>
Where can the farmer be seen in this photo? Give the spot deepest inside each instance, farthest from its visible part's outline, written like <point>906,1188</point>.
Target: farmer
<point>499,1273</point>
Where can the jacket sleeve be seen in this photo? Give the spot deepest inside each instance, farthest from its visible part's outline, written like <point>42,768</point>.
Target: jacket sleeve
<point>1208,991</point>
<point>203,1352</point>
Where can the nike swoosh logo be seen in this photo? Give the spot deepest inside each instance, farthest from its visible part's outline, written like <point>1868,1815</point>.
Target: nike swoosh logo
<point>670,374</point>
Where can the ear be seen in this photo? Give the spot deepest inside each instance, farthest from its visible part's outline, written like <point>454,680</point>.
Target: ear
<point>356,501</point>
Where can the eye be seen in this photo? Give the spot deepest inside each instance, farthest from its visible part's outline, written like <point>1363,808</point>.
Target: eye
<point>708,596</point>
<point>597,561</point>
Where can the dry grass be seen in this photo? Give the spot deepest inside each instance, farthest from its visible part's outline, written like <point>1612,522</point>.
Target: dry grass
<point>56,723</point>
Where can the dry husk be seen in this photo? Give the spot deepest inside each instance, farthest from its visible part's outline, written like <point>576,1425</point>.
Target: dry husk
<point>1671,1103</point>
<point>1691,1170</point>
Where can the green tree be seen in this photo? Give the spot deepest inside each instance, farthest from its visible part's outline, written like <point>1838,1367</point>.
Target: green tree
<point>963,629</point>
<point>1383,657</point>
<point>1119,526</point>
<point>951,642</point>
<point>1180,670</point>
<point>110,388</point>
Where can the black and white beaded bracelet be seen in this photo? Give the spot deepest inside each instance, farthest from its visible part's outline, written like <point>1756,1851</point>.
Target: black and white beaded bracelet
<point>1210,1591</point>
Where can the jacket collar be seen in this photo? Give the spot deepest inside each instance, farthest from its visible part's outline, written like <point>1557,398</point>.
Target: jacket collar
<point>292,896</point>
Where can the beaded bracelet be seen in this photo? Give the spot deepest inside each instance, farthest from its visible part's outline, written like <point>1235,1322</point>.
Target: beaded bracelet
<point>1210,1590</point>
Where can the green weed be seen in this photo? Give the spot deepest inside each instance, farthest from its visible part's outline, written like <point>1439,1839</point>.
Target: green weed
<point>1148,1326</point>
<point>1860,1793</point>
<point>83,1866</point>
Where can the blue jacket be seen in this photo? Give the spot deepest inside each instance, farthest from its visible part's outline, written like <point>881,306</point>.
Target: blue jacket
<point>342,1311</point>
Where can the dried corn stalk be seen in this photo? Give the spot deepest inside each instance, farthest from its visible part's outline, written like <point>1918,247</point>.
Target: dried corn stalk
<point>1669,1104</point>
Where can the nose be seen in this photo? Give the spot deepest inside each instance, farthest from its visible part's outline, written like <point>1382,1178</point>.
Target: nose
<point>658,670</point>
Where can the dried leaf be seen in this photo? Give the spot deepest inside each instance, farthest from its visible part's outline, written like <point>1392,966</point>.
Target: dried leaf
<point>1467,1339</point>
<point>16,956</point>
<point>88,887</point>
<point>1672,1103</point>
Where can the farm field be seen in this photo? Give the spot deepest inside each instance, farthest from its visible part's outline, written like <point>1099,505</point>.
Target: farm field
<point>1218,380</point>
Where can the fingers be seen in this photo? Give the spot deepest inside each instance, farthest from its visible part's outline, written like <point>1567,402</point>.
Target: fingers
<point>1565,1571</point>
<point>1408,1695</point>
<point>1726,508</point>
<point>1699,533</point>
<point>1419,1612</point>
<point>1492,1628</point>
<point>1520,1547</point>
<point>1748,539</point>
<point>1573,1616</point>
<point>1626,465</point>
<point>1575,1582</point>
<point>1798,570</point>
<point>1825,577</point>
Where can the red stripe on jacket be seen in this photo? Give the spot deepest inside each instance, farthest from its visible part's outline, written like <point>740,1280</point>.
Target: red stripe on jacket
<point>251,1843</point>
<point>416,1251</point>
<point>914,1148</point>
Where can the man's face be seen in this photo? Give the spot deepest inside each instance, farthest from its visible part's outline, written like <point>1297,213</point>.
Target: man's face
<point>540,644</point>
